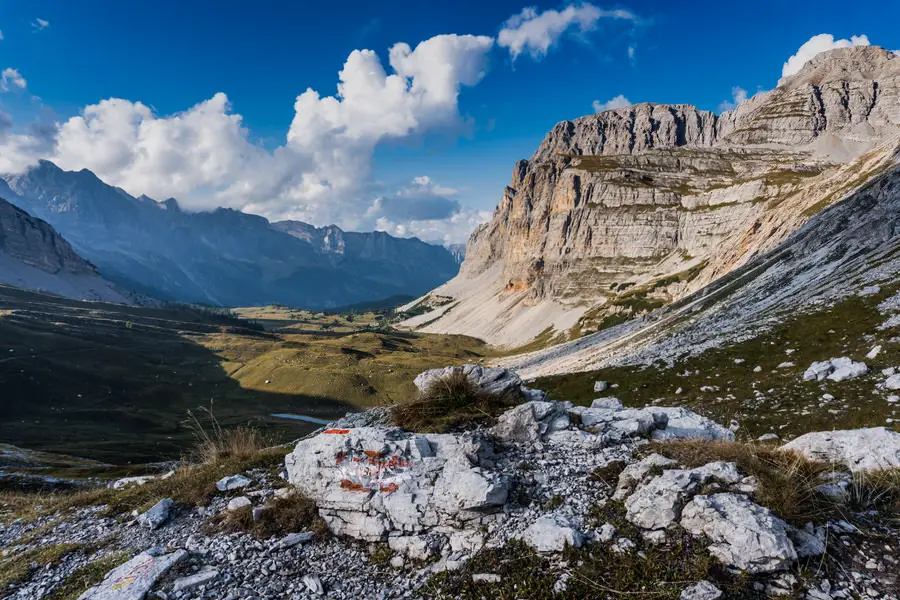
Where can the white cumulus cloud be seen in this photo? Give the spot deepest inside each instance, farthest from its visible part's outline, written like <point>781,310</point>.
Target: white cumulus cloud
<point>816,45</point>
<point>738,95</point>
<point>619,101</point>
<point>11,78</point>
<point>39,25</point>
<point>205,157</point>
<point>535,33</point>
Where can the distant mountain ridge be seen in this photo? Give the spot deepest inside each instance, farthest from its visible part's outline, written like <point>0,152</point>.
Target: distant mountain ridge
<point>223,257</point>
<point>33,255</point>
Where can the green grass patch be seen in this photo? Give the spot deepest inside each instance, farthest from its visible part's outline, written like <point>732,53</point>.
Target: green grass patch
<point>789,406</point>
<point>18,566</point>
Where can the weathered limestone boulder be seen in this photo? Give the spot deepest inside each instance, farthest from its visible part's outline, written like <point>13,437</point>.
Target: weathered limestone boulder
<point>490,380</point>
<point>622,422</point>
<point>818,371</point>
<point>892,382</point>
<point>858,449</point>
<point>134,579</point>
<point>702,590</point>
<point>635,473</point>
<point>552,533</point>
<point>836,369</point>
<point>232,482</point>
<point>532,421</point>
<point>657,504</point>
<point>607,403</point>
<point>371,481</point>
<point>844,369</point>
<point>684,424</point>
<point>743,534</point>
<point>201,577</point>
<point>156,515</point>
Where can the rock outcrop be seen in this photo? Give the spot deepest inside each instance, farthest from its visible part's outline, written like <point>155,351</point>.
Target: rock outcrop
<point>621,212</point>
<point>857,449</point>
<point>34,256</point>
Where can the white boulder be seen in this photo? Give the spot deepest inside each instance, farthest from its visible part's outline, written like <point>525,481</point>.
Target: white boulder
<point>818,371</point>
<point>600,386</point>
<point>370,481</point>
<point>157,515</point>
<point>858,449</point>
<point>202,577</point>
<point>836,369</point>
<point>239,503</point>
<point>232,482</point>
<point>684,424</point>
<point>702,590</point>
<point>487,379</point>
<point>743,534</point>
<point>140,573</point>
<point>532,421</point>
<point>607,403</point>
<point>892,382</point>
<point>635,473</point>
<point>657,504</point>
<point>132,481</point>
<point>552,533</point>
<point>844,369</point>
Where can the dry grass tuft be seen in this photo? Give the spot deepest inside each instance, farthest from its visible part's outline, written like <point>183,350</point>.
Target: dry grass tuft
<point>281,516</point>
<point>876,490</point>
<point>215,444</point>
<point>787,480</point>
<point>451,403</point>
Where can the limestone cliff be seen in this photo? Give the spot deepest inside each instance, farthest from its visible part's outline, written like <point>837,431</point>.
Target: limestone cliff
<point>34,256</point>
<point>622,212</point>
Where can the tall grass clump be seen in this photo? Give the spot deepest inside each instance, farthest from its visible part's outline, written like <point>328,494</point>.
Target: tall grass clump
<point>451,403</point>
<point>215,444</point>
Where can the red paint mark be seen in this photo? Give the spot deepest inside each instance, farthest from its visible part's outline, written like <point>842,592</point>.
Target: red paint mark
<point>337,431</point>
<point>391,487</point>
<point>353,486</point>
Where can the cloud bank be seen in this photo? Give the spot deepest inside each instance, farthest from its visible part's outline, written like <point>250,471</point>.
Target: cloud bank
<point>535,33</point>
<point>738,95</point>
<point>816,45</point>
<point>204,155</point>
<point>619,101</point>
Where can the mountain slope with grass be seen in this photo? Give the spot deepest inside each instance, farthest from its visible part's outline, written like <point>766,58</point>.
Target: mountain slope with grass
<point>623,212</point>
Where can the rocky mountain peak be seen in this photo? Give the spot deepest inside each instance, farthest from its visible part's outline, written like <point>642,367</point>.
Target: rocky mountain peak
<point>624,211</point>
<point>860,63</point>
<point>35,243</point>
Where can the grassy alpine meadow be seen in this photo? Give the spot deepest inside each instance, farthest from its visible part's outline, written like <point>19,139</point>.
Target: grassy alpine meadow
<point>116,383</point>
<point>759,382</point>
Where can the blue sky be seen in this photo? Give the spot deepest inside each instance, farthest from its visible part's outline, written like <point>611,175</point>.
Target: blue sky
<point>170,56</point>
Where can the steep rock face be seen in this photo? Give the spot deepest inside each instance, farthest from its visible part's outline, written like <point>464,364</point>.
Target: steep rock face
<point>225,256</point>
<point>33,255</point>
<point>36,244</point>
<point>624,211</point>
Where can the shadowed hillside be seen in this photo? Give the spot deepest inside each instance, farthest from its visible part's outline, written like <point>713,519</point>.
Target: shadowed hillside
<point>115,383</point>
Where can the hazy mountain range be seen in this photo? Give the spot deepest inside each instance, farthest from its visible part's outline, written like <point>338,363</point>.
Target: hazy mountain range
<point>222,257</point>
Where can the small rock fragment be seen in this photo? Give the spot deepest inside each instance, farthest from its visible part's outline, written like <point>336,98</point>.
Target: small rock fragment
<point>156,516</point>
<point>702,590</point>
